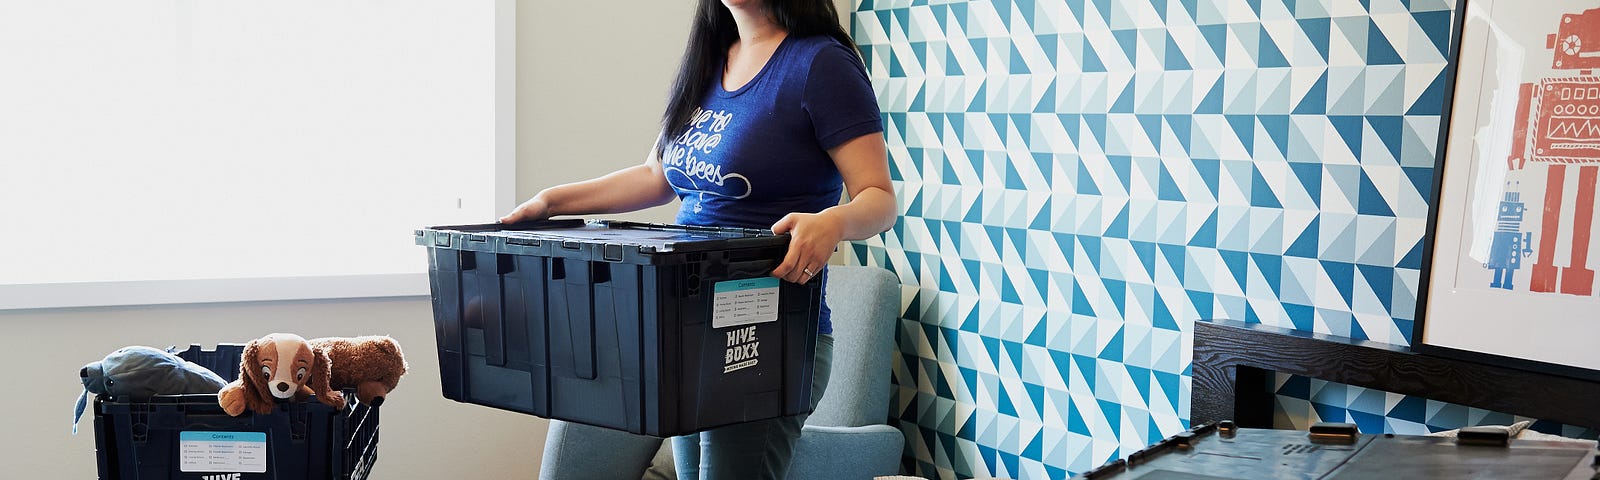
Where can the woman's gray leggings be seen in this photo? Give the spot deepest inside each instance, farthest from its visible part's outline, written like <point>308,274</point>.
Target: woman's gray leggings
<point>754,450</point>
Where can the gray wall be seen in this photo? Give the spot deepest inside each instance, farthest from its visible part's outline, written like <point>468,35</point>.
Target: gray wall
<point>592,79</point>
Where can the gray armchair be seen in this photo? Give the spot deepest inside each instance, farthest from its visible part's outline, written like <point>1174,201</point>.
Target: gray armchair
<point>848,437</point>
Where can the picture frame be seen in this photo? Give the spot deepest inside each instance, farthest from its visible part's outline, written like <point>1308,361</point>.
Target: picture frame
<point>1511,247</point>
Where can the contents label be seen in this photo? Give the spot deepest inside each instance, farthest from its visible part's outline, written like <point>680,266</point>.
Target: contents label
<point>222,452</point>
<point>743,302</point>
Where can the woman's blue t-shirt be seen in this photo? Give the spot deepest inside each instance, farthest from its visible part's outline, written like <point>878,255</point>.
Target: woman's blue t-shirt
<point>752,155</point>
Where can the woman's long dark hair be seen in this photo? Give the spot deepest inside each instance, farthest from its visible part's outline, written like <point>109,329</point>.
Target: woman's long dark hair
<point>709,38</point>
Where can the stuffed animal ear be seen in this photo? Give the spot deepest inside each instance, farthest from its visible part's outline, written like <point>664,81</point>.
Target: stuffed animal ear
<point>240,394</point>
<point>321,373</point>
<point>250,378</point>
<point>247,363</point>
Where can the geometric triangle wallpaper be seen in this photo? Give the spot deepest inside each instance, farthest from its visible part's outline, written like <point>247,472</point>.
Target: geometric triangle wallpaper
<point>1080,180</point>
<point>1303,401</point>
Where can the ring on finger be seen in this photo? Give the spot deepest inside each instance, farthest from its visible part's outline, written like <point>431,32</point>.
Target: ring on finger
<point>808,273</point>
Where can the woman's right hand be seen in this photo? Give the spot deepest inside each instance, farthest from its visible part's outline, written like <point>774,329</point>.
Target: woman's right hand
<point>534,209</point>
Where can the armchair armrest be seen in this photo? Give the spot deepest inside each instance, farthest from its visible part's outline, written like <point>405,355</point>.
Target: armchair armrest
<point>847,452</point>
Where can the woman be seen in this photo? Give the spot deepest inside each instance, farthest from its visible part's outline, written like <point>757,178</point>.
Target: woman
<point>771,112</point>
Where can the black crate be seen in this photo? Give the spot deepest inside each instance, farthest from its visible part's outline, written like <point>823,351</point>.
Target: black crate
<point>300,440</point>
<point>615,324</point>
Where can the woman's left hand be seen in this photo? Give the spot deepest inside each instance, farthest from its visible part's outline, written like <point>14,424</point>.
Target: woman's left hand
<point>812,238</point>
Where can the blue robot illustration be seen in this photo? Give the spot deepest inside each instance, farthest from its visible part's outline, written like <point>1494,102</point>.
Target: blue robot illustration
<point>1510,244</point>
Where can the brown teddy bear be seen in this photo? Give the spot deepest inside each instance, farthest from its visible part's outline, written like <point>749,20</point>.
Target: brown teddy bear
<point>286,366</point>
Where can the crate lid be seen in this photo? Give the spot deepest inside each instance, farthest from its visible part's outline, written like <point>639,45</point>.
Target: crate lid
<point>605,239</point>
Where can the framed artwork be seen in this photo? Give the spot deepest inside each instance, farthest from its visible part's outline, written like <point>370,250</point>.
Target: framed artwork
<point>1510,275</point>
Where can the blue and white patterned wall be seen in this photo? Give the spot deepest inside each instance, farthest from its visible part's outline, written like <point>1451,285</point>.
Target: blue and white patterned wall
<point>1082,179</point>
<point>1304,401</point>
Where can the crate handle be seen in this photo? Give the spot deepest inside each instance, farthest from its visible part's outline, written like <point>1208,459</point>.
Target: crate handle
<point>494,321</point>
<point>751,268</point>
<point>577,316</point>
<point>611,252</point>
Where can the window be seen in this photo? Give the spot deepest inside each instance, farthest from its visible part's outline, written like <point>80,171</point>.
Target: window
<point>186,151</point>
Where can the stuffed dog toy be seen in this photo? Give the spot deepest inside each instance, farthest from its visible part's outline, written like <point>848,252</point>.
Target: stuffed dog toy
<point>137,373</point>
<point>284,366</point>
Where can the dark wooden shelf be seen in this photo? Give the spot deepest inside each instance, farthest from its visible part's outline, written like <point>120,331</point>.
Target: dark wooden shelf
<point>1234,363</point>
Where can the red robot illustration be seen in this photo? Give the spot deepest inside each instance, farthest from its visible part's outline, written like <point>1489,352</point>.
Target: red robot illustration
<point>1558,124</point>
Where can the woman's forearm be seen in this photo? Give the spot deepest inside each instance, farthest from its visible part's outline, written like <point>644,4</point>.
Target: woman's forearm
<point>629,189</point>
<point>870,212</point>
<point>625,190</point>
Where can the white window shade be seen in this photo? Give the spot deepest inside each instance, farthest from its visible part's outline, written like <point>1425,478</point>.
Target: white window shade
<point>183,151</point>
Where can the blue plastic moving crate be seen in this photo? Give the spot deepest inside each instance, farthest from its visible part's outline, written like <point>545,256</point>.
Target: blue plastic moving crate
<point>659,330</point>
<point>189,437</point>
